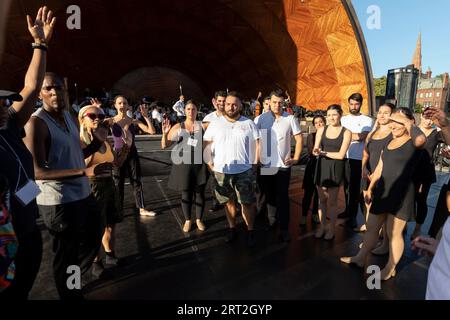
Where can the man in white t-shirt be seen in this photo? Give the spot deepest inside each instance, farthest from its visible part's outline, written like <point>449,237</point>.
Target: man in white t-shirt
<point>277,129</point>
<point>219,104</point>
<point>235,141</point>
<point>157,118</point>
<point>360,125</point>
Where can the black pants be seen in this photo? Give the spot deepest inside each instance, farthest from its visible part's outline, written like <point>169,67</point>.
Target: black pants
<point>421,202</point>
<point>276,191</point>
<point>261,203</point>
<point>194,197</point>
<point>310,194</point>
<point>441,212</point>
<point>76,229</point>
<point>352,187</point>
<point>28,260</point>
<point>131,168</point>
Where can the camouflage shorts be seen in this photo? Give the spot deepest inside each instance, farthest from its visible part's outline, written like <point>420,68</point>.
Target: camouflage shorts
<point>232,186</point>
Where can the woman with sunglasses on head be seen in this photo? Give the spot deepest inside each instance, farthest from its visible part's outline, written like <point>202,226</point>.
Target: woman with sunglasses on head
<point>309,187</point>
<point>391,191</point>
<point>90,118</point>
<point>331,145</point>
<point>427,174</point>
<point>189,173</point>
<point>124,127</point>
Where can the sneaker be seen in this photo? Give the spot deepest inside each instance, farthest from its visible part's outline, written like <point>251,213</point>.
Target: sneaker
<point>302,220</point>
<point>231,236</point>
<point>251,240</point>
<point>145,213</point>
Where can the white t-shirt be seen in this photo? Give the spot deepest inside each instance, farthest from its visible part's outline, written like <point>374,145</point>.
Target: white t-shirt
<point>178,107</point>
<point>438,285</point>
<point>157,116</point>
<point>279,133</point>
<point>235,144</point>
<point>211,117</point>
<point>356,124</point>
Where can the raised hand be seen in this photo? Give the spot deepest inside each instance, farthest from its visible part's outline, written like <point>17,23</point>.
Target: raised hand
<point>42,28</point>
<point>95,102</point>
<point>259,95</point>
<point>437,115</point>
<point>166,126</point>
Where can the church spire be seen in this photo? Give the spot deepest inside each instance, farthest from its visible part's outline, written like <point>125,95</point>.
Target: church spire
<point>417,58</point>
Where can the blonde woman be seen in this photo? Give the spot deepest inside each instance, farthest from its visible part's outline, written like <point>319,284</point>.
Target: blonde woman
<point>102,186</point>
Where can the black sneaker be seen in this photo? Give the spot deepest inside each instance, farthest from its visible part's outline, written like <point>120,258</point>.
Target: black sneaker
<point>251,240</point>
<point>351,223</point>
<point>231,236</point>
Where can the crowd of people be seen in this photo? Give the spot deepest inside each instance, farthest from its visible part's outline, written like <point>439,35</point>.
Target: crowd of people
<point>66,170</point>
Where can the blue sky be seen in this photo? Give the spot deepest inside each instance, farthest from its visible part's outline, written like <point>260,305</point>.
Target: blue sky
<point>394,43</point>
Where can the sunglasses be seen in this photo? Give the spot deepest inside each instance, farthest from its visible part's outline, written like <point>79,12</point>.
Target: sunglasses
<point>48,88</point>
<point>94,116</point>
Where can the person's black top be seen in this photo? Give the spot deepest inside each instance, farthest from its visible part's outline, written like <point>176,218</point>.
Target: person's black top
<point>374,148</point>
<point>24,217</point>
<point>394,191</point>
<point>330,172</point>
<point>427,172</point>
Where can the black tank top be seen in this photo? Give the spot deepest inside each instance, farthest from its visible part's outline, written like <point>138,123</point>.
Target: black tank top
<point>332,145</point>
<point>374,148</point>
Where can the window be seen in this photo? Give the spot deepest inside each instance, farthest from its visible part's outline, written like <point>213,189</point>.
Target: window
<point>431,94</point>
<point>438,94</point>
<point>426,95</point>
<point>421,95</point>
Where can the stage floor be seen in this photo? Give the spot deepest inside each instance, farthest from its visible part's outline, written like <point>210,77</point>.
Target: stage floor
<point>160,261</point>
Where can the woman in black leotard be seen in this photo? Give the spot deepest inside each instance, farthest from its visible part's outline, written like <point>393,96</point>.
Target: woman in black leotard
<point>426,176</point>
<point>391,191</point>
<point>332,142</point>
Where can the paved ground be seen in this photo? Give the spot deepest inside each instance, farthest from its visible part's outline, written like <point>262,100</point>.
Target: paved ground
<point>161,262</point>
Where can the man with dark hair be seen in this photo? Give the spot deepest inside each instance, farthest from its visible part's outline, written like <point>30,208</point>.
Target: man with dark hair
<point>234,162</point>
<point>219,103</point>
<point>359,125</point>
<point>66,204</point>
<point>178,107</point>
<point>277,129</point>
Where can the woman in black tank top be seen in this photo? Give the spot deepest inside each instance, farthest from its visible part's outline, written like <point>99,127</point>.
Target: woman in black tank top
<point>330,147</point>
<point>391,191</point>
<point>376,141</point>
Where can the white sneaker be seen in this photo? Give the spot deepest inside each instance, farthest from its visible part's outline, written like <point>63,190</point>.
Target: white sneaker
<point>146,213</point>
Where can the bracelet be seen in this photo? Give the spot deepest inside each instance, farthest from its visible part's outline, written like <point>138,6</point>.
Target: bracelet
<point>40,46</point>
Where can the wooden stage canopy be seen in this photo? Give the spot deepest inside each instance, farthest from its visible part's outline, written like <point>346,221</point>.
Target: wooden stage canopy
<point>312,48</point>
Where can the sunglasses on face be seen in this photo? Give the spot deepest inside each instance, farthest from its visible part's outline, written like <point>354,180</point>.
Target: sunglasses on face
<point>94,116</point>
<point>48,88</point>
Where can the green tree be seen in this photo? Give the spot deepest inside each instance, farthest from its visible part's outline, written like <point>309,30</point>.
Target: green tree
<point>380,86</point>
<point>418,108</point>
